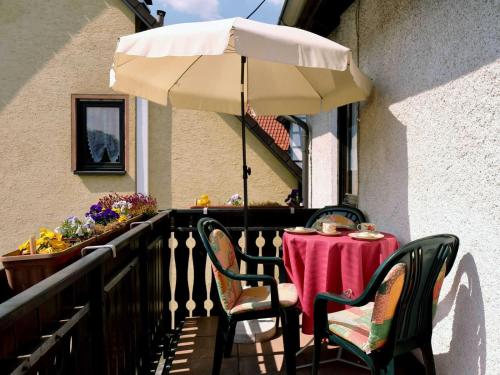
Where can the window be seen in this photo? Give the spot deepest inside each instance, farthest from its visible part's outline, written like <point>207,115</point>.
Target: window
<point>99,132</point>
<point>348,154</point>
<point>295,149</point>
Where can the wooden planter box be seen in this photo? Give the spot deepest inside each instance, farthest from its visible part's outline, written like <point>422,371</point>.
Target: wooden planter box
<point>24,271</point>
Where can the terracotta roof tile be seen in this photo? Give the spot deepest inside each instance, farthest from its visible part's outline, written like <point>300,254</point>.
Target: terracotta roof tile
<point>275,129</point>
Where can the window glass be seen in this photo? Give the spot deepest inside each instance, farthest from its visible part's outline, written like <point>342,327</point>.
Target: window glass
<point>296,144</point>
<point>103,134</point>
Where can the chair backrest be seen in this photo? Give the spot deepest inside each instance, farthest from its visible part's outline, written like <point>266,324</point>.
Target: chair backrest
<point>334,213</point>
<point>222,252</point>
<point>426,262</point>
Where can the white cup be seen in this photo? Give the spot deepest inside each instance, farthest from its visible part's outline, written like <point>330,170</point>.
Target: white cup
<point>329,227</point>
<point>367,227</point>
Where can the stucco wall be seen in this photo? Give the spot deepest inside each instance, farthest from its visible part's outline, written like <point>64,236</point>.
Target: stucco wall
<point>429,153</point>
<point>197,152</point>
<point>48,51</point>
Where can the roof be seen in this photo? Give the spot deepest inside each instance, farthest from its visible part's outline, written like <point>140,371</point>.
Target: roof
<point>319,16</point>
<point>276,130</point>
<point>142,12</point>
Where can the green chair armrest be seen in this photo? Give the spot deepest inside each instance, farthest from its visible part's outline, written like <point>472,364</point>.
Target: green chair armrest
<point>267,260</point>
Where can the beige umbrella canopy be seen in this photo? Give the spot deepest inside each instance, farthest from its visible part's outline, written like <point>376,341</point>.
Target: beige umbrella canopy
<point>197,66</point>
<point>229,64</point>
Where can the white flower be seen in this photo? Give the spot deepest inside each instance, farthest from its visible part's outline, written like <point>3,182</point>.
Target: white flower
<point>72,220</point>
<point>89,223</point>
<point>235,200</point>
<point>123,206</point>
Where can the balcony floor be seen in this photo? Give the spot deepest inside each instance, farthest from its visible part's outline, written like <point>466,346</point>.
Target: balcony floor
<point>267,357</point>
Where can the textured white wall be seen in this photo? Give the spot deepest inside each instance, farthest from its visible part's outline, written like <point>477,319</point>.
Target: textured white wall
<point>429,152</point>
<point>324,159</point>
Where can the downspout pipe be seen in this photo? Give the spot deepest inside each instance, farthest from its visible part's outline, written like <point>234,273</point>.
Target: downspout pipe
<point>142,145</point>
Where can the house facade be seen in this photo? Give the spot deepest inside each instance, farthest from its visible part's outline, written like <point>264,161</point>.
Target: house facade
<point>54,62</point>
<point>428,147</point>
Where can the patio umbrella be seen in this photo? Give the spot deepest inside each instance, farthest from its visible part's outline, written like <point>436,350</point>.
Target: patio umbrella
<point>229,64</point>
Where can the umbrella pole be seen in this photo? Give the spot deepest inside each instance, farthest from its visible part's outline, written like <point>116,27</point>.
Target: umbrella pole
<point>246,170</point>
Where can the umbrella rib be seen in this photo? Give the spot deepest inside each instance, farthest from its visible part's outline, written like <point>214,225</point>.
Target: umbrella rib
<point>311,86</point>
<point>185,71</point>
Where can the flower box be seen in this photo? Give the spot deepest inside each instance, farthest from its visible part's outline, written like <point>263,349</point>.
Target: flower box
<point>24,271</point>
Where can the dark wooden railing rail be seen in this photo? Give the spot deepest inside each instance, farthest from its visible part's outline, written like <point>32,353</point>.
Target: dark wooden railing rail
<point>106,315</point>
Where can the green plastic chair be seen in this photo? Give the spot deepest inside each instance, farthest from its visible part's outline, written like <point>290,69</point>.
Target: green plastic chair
<point>394,314</point>
<point>353,214</point>
<point>274,299</point>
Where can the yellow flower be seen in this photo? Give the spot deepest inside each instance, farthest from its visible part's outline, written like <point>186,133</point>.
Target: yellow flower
<point>203,200</point>
<point>122,218</point>
<point>58,245</point>
<point>41,242</point>
<point>24,246</point>
<point>46,233</point>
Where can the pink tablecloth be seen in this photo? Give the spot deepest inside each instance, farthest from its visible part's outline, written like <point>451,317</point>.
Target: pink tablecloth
<point>316,263</point>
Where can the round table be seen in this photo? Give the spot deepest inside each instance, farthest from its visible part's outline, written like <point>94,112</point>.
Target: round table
<point>336,264</point>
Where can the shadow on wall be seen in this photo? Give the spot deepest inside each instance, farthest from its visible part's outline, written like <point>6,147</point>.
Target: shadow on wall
<point>29,40</point>
<point>384,166</point>
<point>160,154</point>
<point>467,353</point>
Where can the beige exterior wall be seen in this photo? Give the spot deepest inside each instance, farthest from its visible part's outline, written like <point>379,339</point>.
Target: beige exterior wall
<point>48,51</point>
<point>430,153</point>
<point>195,152</point>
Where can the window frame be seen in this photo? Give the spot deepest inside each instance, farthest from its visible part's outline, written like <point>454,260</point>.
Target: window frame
<point>346,119</point>
<point>77,166</point>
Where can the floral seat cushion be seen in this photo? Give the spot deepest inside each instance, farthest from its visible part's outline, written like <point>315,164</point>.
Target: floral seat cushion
<point>229,289</point>
<point>259,298</point>
<point>352,324</point>
<point>368,326</point>
<point>332,218</point>
<point>437,289</point>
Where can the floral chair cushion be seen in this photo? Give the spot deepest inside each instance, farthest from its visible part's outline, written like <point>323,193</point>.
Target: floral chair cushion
<point>368,326</point>
<point>352,324</point>
<point>229,289</point>
<point>259,298</point>
<point>385,303</point>
<point>437,289</point>
<point>332,218</point>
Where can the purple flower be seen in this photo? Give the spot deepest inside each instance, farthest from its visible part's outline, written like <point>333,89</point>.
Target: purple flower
<point>100,216</point>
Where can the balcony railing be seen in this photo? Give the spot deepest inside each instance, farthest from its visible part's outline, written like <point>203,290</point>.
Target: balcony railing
<point>111,314</point>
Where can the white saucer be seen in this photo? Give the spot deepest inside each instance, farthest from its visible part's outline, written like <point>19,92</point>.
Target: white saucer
<point>343,226</point>
<point>337,233</point>
<point>300,231</point>
<point>368,236</point>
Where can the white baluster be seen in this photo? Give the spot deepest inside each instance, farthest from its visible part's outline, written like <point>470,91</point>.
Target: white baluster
<point>241,243</point>
<point>277,241</point>
<point>172,278</point>
<point>208,304</point>
<point>260,242</point>
<point>190,304</point>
